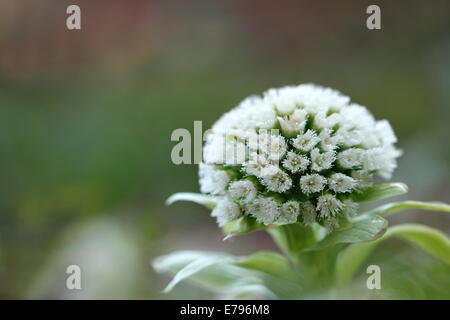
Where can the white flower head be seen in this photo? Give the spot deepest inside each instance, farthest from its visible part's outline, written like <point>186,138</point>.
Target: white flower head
<point>299,115</point>
<point>321,120</point>
<point>301,141</point>
<point>271,144</point>
<point>289,212</point>
<point>274,147</point>
<point>284,100</point>
<point>293,124</point>
<point>226,211</point>
<point>242,191</point>
<point>350,158</point>
<point>356,116</point>
<point>341,183</point>
<point>255,164</point>
<point>350,138</point>
<point>295,162</point>
<point>266,210</point>
<point>381,159</point>
<point>224,149</point>
<point>306,141</point>
<point>322,161</point>
<point>291,128</point>
<point>329,141</point>
<point>235,153</point>
<point>385,132</point>
<point>275,179</point>
<point>212,180</point>
<point>328,206</point>
<point>312,183</point>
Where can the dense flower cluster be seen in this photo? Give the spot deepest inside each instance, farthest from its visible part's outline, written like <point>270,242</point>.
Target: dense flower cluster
<point>294,154</point>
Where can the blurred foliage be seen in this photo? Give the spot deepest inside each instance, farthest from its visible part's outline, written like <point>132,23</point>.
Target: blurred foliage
<point>86,118</point>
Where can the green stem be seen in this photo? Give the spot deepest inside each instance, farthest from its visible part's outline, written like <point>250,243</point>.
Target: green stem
<point>314,266</point>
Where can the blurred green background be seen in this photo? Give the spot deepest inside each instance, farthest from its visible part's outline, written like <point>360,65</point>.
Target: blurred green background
<point>86,118</point>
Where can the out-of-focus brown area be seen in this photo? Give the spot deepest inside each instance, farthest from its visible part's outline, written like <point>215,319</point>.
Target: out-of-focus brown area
<point>112,32</point>
<point>86,117</point>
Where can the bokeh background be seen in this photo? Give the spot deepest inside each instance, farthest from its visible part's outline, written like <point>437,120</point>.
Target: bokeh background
<point>86,118</point>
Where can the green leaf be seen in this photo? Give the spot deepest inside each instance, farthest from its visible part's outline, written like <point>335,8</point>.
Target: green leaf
<point>203,199</point>
<point>275,272</point>
<point>429,239</point>
<point>270,263</point>
<point>261,275</point>
<point>351,259</point>
<point>380,191</point>
<point>242,225</point>
<point>186,264</point>
<point>390,208</point>
<point>359,231</point>
<point>215,272</point>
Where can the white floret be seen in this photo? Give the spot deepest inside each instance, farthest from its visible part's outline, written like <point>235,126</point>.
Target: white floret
<point>212,180</point>
<point>293,124</point>
<point>322,161</point>
<point>242,191</point>
<point>266,210</point>
<point>235,153</point>
<point>295,162</point>
<point>275,179</point>
<point>328,206</point>
<point>350,158</point>
<point>289,212</point>
<point>274,146</point>
<point>316,98</point>
<point>321,120</point>
<point>385,132</point>
<point>329,141</point>
<point>350,138</point>
<point>285,100</point>
<point>299,115</point>
<point>341,183</point>
<point>306,141</point>
<point>382,160</point>
<point>312,183</point>
<point>226,211</point>
<point>255,164</point>
<point>222,149</point>
<point>291,128</point>
<point>251,113</point>
<point>356,116</point>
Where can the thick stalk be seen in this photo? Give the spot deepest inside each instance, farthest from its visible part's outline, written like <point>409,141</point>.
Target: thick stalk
<point>316,267</point>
